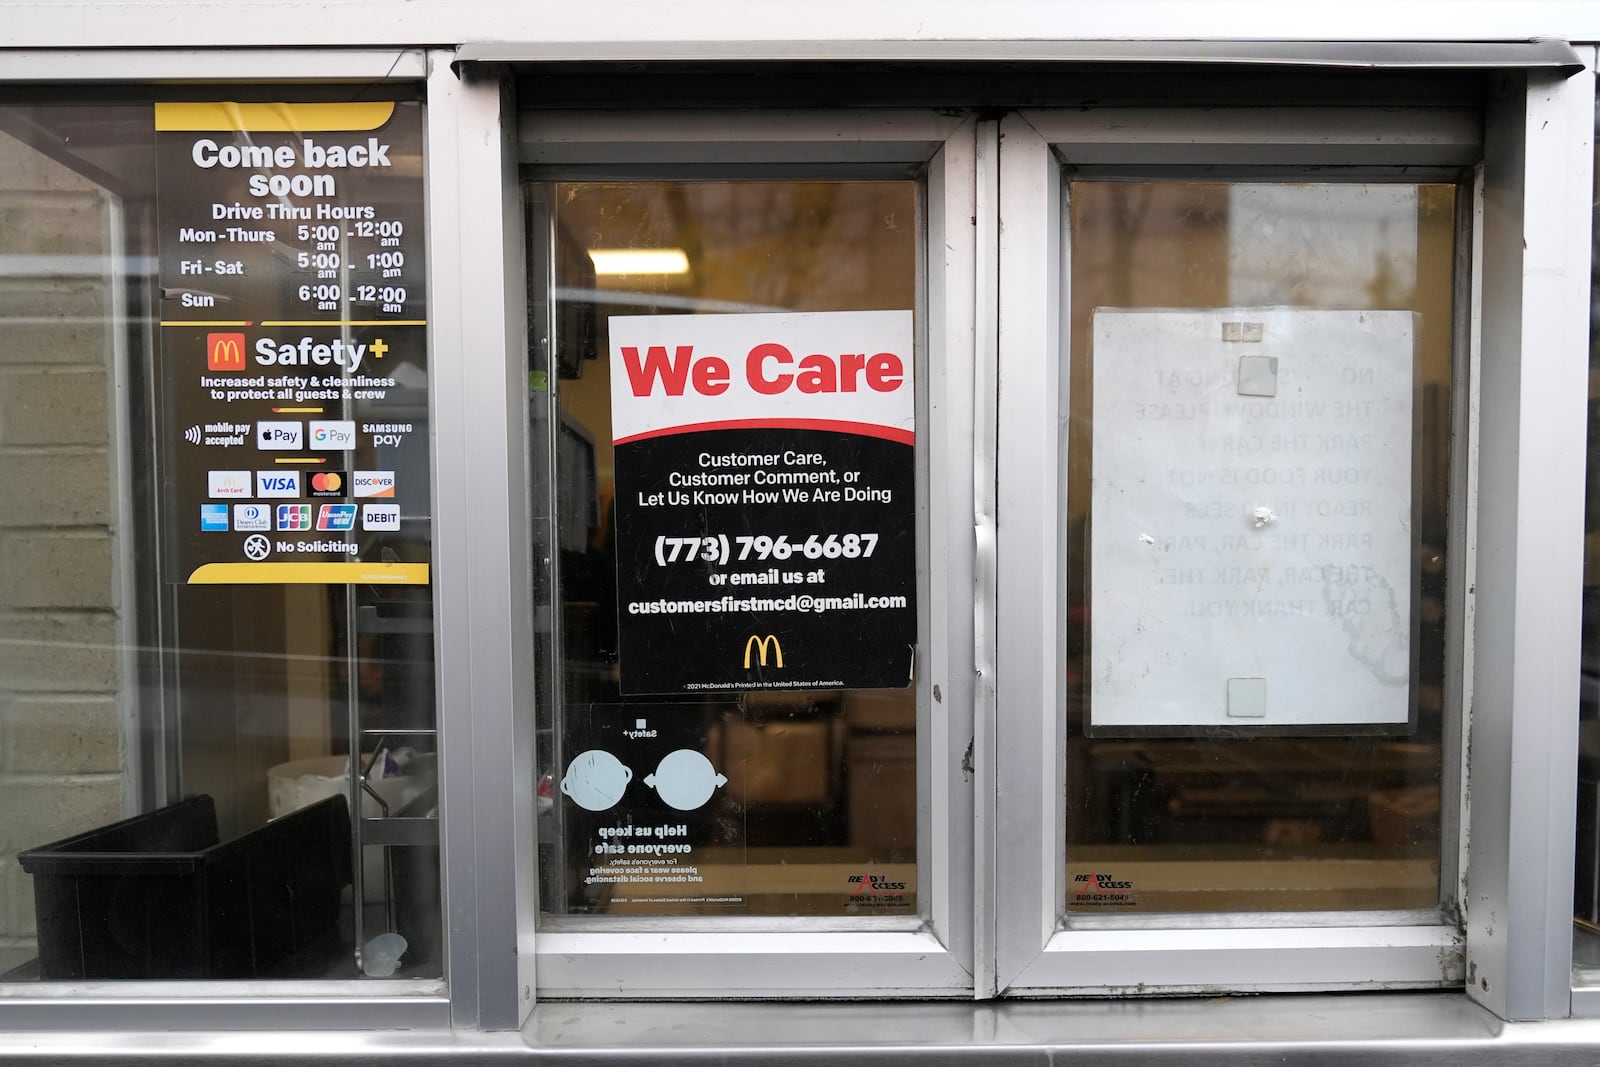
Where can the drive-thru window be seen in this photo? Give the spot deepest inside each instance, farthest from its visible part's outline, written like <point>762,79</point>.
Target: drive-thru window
<point>1026,538</point>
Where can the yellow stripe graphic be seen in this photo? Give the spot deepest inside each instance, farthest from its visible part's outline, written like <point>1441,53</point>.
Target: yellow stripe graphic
<point>271,118</point>
<point>310,574</point>
<point>297,322</point>
<point>344,322</point>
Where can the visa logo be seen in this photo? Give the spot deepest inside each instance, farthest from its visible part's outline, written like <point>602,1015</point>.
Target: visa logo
<point>294,516</point>
<point>213,516</point>
<point>336,516</point>
<point>277,483</point>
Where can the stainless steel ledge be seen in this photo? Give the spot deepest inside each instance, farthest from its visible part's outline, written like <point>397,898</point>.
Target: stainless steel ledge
<point>1413,55</point>
<point>1241,1032</point>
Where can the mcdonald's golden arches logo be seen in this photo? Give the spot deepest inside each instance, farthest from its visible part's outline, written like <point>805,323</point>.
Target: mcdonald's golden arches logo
<point>225,351</point>
<point>760,645</point>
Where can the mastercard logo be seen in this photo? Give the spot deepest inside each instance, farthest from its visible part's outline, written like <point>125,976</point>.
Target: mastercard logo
<point>327,483</point>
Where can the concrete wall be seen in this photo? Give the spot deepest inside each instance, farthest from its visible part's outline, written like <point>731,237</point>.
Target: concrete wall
<point>61,753</point>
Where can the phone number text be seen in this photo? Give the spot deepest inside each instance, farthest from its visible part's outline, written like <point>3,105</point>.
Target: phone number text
<point>720,548</point>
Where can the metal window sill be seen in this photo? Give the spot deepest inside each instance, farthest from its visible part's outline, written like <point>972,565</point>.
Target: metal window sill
<point>1354,1028</point>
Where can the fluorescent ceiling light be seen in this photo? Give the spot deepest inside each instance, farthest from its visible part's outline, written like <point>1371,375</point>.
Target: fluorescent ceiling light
<point>639,260</point>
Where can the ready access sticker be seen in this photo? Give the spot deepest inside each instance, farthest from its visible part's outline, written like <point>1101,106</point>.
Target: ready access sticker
<point>765,502</point>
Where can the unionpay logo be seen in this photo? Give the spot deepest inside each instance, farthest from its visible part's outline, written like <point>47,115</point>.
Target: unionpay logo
<point>228,483</point>
<point>277,483</point>
<point>252,517</point>
<point>225,351</point>
<point>336,517</point>
<point>374,483</point>
<point>326,483</point>
<point>279,436</point>
<point>294,517</point>
<point>380,516</point>
<point>214,517</point>
<point>333,435</point>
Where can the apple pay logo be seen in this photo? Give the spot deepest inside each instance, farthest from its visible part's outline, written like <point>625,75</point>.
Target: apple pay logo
<point>279,436</point>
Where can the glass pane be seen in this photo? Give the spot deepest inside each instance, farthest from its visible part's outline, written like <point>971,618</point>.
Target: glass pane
<point>1586,933</point>
<point>178,690</point>
<point>804,800</point>
<point>1257,516</point>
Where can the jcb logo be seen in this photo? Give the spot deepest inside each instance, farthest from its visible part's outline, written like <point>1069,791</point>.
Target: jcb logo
<point>225,351</point>
<point>760,645</point>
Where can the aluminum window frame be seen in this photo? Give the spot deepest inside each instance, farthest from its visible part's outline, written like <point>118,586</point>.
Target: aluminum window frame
<point>480,988</point>
<point>1531,300</point>
<point>929,954</point>
<point>1586,981</point>
<point>1038,953</point>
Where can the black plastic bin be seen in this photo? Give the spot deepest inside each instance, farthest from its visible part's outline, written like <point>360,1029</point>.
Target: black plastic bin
<point>156,896</point>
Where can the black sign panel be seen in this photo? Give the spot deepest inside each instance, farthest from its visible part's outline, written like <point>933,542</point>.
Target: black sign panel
<point>293,322</point>
<point>766,533</point>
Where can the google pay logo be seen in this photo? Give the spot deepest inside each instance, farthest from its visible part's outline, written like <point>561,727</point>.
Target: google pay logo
<point>333,434</point>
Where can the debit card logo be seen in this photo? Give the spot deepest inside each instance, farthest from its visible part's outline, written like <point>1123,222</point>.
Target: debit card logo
<point>374,483</point>
<point>252,517</point>
<point>336,517</point>
<point>333,435</point>
<point>380,516</point>
<point>214,517</point>
<point>277,483</point>
<point>294,517</point>
<point>278,436</point>
<point>229,483</point>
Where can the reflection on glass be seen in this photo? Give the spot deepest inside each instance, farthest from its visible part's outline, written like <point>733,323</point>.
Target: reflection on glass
<point>1231,815</point>
<point>1586,896</point>
<point>776,803</point>
<point>214,717</point>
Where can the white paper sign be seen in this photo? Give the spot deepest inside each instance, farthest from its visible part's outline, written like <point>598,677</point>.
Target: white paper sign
<point>1250,542</point>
